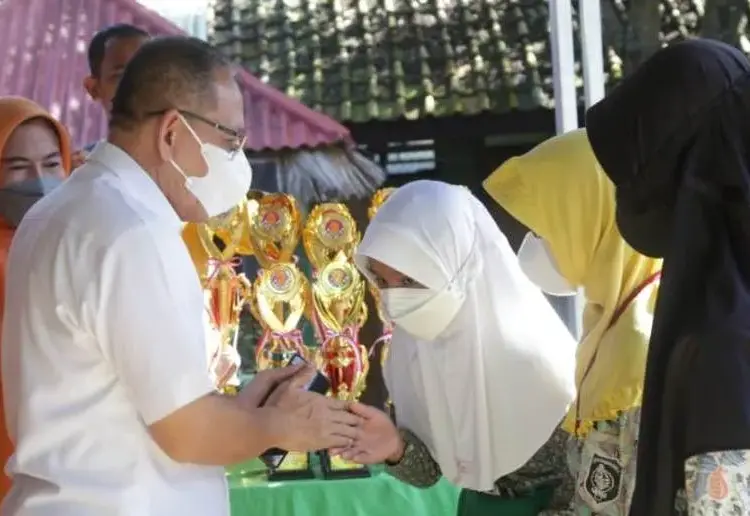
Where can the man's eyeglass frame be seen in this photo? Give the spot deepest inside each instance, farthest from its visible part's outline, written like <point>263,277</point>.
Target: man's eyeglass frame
<point>240,138</point>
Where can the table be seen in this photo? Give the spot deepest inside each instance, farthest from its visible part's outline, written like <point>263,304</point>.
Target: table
<point>380,495</point>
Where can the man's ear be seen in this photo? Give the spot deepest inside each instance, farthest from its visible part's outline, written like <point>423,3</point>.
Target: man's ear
<point>92,87</point>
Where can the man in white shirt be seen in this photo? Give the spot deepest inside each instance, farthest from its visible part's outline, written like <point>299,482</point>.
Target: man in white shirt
<point>112,409</point>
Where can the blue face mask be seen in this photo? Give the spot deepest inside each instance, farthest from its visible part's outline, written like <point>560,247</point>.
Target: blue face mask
<point>17,198</point>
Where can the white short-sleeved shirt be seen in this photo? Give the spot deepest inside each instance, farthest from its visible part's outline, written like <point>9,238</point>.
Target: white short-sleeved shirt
<point>103,335</point>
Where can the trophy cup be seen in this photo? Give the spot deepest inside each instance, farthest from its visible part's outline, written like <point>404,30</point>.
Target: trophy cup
<point>234,227</point>
<point>226,292</point>
<point>330,230</point>
<point>274,228</point>
<point>281,292</point>
<point>339,311</point>
<point>384,340</point>
<point>378,198</point>
<point>339,299</point>
<point>280,300</point>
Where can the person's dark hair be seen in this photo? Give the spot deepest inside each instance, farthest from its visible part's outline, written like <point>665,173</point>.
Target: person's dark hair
<point>173,72</point>
<point>98,44</point>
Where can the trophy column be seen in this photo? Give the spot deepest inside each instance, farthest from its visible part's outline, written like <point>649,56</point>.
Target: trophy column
<point>226,295</point>
<point>279,302</point>
<point>339,311</point>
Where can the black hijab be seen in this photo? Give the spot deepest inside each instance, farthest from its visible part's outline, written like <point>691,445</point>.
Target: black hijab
<point>674,138</point>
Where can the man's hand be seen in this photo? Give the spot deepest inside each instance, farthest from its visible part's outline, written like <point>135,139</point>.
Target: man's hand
<point>264,383</point>
<point>313,422</point>
<point>287,388</point>
<point>378,439</point>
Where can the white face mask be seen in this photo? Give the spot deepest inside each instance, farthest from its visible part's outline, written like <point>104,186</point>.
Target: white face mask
<point>421,312</point>
<point>226,182</point>
<point>537,263</point>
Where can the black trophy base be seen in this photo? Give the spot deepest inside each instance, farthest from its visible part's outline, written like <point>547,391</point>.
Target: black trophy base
<point>336,468</point>
<point>295,466</point>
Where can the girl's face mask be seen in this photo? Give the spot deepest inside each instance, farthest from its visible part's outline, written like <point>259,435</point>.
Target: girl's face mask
<point>421,312</point>
<point>537,263</point>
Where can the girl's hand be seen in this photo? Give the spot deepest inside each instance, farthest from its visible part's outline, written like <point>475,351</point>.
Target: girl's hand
<point>378,439</point>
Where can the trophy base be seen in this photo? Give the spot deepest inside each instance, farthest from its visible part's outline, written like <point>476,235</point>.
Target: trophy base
<point>295,466</point>
<point>336,468</point>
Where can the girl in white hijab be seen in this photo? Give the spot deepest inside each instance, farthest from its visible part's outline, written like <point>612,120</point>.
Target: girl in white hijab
<point>480,369</point>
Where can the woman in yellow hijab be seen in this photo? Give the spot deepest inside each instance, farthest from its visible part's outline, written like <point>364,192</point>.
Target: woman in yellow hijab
<point>34,158</point>
<point>560,193</point>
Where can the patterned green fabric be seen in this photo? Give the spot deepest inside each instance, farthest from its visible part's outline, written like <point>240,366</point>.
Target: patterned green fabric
<point>545,477</point>
<point>416,467</point>
<point>389,59</point>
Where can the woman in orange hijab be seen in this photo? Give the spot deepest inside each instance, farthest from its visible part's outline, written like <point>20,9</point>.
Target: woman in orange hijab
<point>34,158</point>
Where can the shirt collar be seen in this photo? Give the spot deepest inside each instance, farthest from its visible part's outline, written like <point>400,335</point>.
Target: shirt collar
<point>137,180</point>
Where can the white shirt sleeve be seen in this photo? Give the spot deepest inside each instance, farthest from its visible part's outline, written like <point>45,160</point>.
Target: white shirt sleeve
<point>149,321</point>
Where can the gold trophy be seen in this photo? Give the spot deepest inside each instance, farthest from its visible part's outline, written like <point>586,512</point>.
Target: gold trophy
<point>281,293</point>
<point>226,291</point>
<point>339,299</point>
<point>234,228</point>
<point>274,228</point>
<point>330,238</point>
<point>384,340</point>
<point>330,230</point>
<point>378,198</point>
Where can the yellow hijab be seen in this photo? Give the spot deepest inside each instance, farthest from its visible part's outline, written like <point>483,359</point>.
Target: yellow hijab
<point>559,191</point>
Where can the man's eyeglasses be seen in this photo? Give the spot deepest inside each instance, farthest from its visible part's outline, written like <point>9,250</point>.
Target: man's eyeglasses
<point>238,138</point>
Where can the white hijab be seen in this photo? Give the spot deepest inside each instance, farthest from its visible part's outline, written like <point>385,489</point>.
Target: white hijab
<point>489,391</point>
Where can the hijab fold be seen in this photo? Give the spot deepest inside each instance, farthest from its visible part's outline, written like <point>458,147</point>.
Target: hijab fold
<point>490,390</point>
<point>674,139</point>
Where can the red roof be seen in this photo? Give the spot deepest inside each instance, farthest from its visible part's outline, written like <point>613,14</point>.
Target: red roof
<point>45,43</point>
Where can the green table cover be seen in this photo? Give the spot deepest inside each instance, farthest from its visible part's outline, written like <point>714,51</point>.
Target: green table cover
<point>380,495</point>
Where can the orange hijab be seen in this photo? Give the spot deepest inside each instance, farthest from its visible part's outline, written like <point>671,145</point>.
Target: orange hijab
<point>15,111</point>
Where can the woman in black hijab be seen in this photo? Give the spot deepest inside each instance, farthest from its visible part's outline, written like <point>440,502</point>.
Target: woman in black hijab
<point>674,137</point>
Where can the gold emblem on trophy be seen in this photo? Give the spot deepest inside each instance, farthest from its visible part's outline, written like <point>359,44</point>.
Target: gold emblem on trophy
<point>226,292</point>
<point>330,230</point>
<point>274,228</point>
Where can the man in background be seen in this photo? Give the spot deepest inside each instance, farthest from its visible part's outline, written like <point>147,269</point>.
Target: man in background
<point>110,50</point>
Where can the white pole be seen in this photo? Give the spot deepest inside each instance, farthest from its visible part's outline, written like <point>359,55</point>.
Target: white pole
<point>563,65</point>
<point>592,46</point>
<point>590,13</point>
<point>566,104</point>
